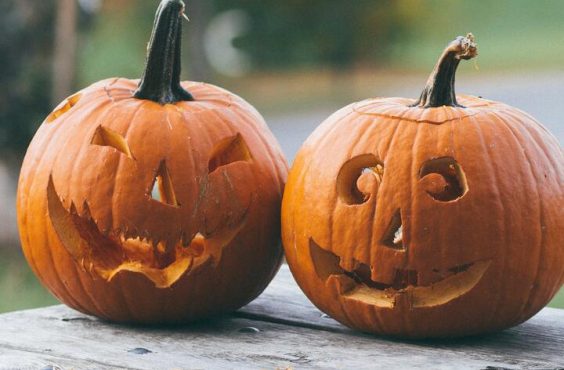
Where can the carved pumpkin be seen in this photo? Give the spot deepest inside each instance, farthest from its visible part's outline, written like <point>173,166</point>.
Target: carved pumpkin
<point>142,202</point>
<point>442,217</point>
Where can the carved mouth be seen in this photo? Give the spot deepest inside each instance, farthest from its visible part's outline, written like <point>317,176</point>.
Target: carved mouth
<point>404,289</point>
<point>107,254</point>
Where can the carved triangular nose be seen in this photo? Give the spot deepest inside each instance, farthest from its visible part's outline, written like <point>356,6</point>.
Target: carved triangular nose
<point>393,238</point>
<point>162,189</point>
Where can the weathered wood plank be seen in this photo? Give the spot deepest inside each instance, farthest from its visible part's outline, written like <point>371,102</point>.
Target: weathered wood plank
<point>288,336</point>
<point>541,337</point>
<point>62,337</point>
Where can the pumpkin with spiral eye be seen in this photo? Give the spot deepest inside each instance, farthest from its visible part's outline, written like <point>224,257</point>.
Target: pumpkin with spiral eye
<point>153,201</point>
<point>441,217</point>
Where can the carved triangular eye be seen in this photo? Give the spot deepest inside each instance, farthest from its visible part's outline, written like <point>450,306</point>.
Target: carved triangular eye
<point>162,189</point>
<point>232,149</point>
<point>106,137</point>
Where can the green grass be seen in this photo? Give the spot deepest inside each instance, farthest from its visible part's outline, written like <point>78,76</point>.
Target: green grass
<point>20,289</point>
<point>558,301</point>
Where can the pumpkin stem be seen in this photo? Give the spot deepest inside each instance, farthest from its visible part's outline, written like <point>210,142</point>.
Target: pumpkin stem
<point>161,79</point>
<point>439,90</point>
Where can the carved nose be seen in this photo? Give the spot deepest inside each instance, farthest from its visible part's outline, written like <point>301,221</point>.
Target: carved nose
<point>393,237</point>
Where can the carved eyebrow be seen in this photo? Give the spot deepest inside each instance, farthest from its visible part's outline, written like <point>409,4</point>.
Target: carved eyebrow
<point>106,137</point>
<point>232,149</point>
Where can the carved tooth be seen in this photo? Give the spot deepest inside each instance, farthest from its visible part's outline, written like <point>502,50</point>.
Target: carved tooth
<point>347,264</point>
<point>152,242</point>
<point>185,240</point>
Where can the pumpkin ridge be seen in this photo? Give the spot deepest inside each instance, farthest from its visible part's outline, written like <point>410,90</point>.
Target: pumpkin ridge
<point>54,262</point>
<point>406,238</point>
<point>503,223</point>
<point>357,130</point>
<point>81,153</point>
<point>530,296</point>
<point>391,144</point>
<point>87,293</point>
<point>373,215</point>
<point>133,119</point>
<point>535,139</point>
<point>267,148</point>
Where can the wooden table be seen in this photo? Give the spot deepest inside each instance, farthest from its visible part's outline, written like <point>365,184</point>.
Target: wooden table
<point>279,330</point>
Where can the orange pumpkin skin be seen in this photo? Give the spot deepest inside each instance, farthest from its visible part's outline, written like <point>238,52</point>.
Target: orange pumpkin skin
<point>427,222</point>
<point>102,244</point>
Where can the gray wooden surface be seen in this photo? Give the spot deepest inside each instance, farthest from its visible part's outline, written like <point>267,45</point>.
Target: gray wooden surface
<point>279,330</point>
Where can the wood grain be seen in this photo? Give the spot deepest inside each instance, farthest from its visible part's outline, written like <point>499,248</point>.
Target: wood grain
<point>291,334</point>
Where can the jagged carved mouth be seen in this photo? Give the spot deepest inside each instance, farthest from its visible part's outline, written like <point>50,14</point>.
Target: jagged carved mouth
<point>404,289</point>
<point>107,254</point>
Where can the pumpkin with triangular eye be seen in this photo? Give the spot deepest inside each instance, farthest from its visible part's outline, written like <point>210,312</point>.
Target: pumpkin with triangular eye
<point>153,201</point>
<point>441,217</point>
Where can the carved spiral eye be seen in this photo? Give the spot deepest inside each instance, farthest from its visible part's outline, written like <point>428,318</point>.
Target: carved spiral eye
<point>357,178</point>
<point>443,179</point>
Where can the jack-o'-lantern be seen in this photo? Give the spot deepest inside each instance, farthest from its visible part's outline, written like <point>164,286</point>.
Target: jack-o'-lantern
<point>441,217</point>
<point>153,201</point>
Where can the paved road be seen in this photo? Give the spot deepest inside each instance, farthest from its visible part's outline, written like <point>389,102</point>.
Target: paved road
<point>539,94</point>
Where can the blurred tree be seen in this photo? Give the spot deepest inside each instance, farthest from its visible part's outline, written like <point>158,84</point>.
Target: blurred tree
<point>64,60</point>
<point>26,29</point>
<point>331,33</point>
<point>201,12</point>
<point>37,46</point>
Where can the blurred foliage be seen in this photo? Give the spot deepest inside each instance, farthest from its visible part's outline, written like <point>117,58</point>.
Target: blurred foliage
<point>19,288</point>
<point>334,33</point>
<point>313,35</point>
<point>511,34</point>
<point>27,30</point>
<point>26,33</point>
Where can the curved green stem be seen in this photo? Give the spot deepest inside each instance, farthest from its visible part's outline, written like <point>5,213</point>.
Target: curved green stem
<point>161,79</point>
<point>439,90</point>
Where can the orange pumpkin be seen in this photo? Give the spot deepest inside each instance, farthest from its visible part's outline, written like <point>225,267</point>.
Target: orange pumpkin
<point>143,202</point>
<point>440,217</point>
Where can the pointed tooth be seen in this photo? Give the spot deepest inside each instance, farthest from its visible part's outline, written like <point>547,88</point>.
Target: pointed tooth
<point>347,264</point>
<point>183,239</point>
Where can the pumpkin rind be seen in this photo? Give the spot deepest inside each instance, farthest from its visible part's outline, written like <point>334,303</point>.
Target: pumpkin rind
<point>94,162</point>
<point>484,257</point>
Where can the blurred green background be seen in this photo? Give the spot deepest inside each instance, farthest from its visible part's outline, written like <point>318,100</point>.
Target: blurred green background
<point>296,61</point>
